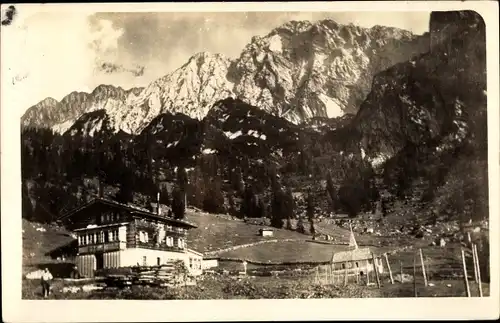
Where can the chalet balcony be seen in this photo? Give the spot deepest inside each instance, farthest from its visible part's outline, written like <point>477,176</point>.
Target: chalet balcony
<point>102,247</point>
<point>155,246</point>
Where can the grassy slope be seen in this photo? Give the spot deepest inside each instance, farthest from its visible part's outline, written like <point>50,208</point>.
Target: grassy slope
<point>37,243</point>
<point>216,232</point>
<point>287,251</point>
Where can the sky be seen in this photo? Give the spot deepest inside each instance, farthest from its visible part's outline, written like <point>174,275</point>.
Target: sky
<point>50,55</point>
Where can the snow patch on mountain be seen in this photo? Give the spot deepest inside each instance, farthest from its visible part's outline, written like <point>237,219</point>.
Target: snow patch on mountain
<point>62,127</point>
<point>333,108</point>
<point>275,44</point>
<point>233,135</point>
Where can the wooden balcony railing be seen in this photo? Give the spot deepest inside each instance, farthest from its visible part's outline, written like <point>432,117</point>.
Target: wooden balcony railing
<point>102,247</point>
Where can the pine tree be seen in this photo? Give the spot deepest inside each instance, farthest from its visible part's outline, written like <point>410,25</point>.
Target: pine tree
<point>232,208</point>
<point>331,191</point>
<point>196,188</point>
<point>300,226</point>
<point>278,208</point>
<point>261,207</point>
<point>236,181</point>
<point>288,212</point>
<point>164,196</point>
<point>27,207</point>
<point>310,213</point>
<point>126,193</point>
<point>182,183</point>
<point>247,208</point>
<point>213,201</point>
<point>178,207</point>
<point>182,178</point>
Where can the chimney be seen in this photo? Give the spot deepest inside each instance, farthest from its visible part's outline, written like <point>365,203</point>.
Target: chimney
<point>158,203</point>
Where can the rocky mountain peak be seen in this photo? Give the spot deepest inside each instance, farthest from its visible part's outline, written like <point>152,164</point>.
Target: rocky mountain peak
<point>298,71</point>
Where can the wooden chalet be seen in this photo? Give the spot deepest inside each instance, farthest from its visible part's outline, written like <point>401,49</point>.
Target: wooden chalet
<point>113,235</point>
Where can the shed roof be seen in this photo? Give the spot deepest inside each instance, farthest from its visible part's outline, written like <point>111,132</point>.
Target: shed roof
<point>352,255</point>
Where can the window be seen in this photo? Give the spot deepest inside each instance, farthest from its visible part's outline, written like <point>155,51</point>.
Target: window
<point>100,237</point>
<point>115,235</point>
<point>91,238</point>
<point>170,241</point>
<point>143,236</point>
<point>191,263</point>
<point>144,261</point>
<point>180,243</point>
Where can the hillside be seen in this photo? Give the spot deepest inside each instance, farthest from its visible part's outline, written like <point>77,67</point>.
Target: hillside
<point>39,241</point>
<point>216,232</point>
<point>402,157</point>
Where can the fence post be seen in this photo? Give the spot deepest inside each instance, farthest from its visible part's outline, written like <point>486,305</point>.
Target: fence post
<point>401,269</point>
<point>466,280</point>
<point>423,267</point>
<point>415,274</point>
<point>480,286</point>
<point>345,274</point>
<point>376,270</point>
<point>367,273</point>
<point>389,267</point>
<point>474,261</point>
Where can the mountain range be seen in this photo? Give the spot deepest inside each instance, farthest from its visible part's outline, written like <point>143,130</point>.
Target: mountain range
<point>300,70</point>
<point>367,107</point>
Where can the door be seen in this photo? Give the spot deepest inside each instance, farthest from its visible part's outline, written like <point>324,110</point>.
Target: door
<point>99,260</point>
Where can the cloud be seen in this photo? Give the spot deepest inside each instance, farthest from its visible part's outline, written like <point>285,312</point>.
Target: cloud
<point>110,68</point>
<point>53,54</point>
<point>105,38</point>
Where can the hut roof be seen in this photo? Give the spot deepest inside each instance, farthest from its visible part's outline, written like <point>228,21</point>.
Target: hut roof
<point>352,255</point>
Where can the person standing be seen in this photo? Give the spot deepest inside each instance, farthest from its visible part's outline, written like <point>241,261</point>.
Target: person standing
<point>45,280</point>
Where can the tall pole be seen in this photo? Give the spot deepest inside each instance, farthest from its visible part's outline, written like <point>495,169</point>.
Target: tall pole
<point>401,269</point>
<point>376,270</point>
<point>474,261</point>
<point>423,267</point>
<point>466,280</point>
<point>389,267</point>
<point>415,275</point>
<point>345,274</point>
<point>480,286</point>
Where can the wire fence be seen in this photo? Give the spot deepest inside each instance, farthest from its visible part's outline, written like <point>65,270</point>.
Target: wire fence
<point>462,275</point>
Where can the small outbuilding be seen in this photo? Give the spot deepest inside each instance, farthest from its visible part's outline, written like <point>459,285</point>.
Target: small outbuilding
<point>210,262</point>
<point>266,232</point>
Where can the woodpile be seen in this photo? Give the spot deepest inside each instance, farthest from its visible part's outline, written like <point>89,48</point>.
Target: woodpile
<point>164,275</point>
<point>167,275</point>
